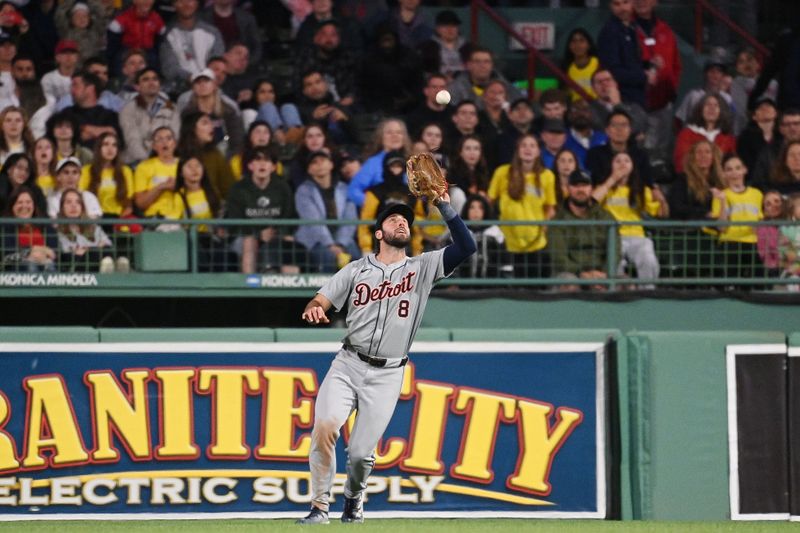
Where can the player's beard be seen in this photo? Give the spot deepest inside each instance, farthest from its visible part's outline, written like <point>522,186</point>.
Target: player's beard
<point>397,241</point>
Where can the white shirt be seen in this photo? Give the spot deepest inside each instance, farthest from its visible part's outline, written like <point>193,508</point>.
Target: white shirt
<point>93,209</point>
<point>55,85</point>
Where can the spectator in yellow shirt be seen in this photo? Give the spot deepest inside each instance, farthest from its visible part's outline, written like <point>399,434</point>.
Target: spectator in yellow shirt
<point>44,159</point>
<point>738,202</point>
<point>108,179</point>
<point>154,180</point>
<point>525,190</point>
<point>625,196</point>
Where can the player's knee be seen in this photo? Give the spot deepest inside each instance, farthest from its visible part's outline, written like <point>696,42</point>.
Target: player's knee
<point>325,431</point>
<point>360,454</point>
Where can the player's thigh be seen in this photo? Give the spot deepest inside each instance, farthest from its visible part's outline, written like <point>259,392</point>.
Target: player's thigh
<point>376,405</point>
<point>336,398</point>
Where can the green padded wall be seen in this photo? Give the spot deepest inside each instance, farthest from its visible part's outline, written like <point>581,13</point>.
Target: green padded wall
<point>794,339</point>
<point>48,334</point>
<point>679,425</point>
<point>532,335</point>
<point>187,335</point>
<point>309,334</point>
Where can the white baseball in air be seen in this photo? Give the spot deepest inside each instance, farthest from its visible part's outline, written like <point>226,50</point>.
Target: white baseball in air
<point>443,97</point>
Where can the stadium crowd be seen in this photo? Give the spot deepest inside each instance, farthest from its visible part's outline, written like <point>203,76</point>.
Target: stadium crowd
<point>134,109</point>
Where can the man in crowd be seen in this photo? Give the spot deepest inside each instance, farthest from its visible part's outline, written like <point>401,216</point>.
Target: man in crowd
<point>520,118</point>
<point>92,118</point>
<point>107,99</point>
<point>554,135</point>
<point>618,51</point>
<point>188,45</point>
<point>235,25</point>
<point>322,11</point>
<point>579,252</point>
<point>327,56</point>
<point>143,115</point>
<point>470,84</point>
<point>581,137</point>
<point>442,53</point>
<point>608,99</point>
<point>429,110</point>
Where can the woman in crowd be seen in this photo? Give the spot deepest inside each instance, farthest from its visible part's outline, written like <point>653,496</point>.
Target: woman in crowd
<point>68,176</point>
<point>63,130</point>
<point>82,245</point>
<point>44,160</point>
<point>580,60</point>
<point>433,136</point>
<point>315,139</point>
<point>259,135</point>
<point>469,170</point>
<point>525,190</point>
<point>26,247</point>
<point>737,202</point>
<point>154,179</point>
<point>491,257</point>
<point>710,120</point>
<point>227,129</point>
<point>786,173</point>
<point>15,138</point>
<point>16,173</point>
<point>564,164</point>
<point>768,236</point>
<point>390,135</point>
<point>283,119</point>
<point>197,139</point>
<point>628,199</point>
<point>108,179</point>
<point>690,198</point>
<point>195,199</point>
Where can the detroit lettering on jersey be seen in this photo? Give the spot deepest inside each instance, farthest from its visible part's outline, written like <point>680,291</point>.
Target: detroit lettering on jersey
<point>366,294</point>
<point>386,302</point>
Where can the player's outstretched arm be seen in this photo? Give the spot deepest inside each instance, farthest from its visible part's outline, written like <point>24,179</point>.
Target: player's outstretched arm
<point>463,244</point>
<point>315,310</point>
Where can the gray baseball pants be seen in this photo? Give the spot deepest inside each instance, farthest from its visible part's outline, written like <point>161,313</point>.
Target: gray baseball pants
<point>350,384</point>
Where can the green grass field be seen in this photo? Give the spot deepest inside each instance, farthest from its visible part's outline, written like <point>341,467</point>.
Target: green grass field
<point>399,525</point>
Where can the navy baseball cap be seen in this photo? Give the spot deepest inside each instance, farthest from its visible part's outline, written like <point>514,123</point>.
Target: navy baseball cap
<point>392,209</point>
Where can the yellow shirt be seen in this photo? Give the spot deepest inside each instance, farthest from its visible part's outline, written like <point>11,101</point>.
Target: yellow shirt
<point>47,183</point>
<point>107,190</point>
<point>531,206</point>
<point>199,208</point>
<point>152,172</point>
<point>742,206</point>
<point>617,203</point>
<point>583,77</point>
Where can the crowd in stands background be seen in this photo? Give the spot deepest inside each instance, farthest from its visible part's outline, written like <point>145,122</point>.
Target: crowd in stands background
<point>175,109</point>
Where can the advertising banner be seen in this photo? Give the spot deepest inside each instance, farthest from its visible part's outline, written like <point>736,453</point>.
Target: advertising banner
<point>168,430</point>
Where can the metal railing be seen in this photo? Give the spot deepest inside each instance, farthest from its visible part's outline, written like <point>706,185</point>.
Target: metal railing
<point>534,55</point>
<point>579,255</point>
<point>704,6</point>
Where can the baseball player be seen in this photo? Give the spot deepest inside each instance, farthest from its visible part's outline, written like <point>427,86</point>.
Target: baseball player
<point>386,293</point>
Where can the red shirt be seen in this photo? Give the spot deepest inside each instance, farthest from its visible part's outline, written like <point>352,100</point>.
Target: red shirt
<point>28,237</point>
<point>686,138</point>
<point>137,32</point>
<point>661,42</point>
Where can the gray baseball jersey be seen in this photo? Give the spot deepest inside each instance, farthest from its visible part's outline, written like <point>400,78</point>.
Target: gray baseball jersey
<point>386,301</point>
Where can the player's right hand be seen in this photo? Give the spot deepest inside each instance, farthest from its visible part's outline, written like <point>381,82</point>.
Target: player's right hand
<point>315,315</point>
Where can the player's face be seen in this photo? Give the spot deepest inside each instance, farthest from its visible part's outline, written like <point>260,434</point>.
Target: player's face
<point>395,231</point>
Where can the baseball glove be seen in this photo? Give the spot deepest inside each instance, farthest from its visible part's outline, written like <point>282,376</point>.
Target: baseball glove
<point>425,177</point>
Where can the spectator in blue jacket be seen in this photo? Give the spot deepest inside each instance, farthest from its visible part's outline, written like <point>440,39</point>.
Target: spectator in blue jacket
<point>391,134</point>
<point>323,197</point>
<point>618,50</point>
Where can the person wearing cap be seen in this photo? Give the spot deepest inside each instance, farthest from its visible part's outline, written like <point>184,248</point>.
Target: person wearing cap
<point>386,293</point>
<point>520,121</point>
<point>68,175</point>
<point>580,251</point>
<point>58,81</point>
<point>554,137</point>
<point>8,50</point>
<point>259,195</point>
<point>187,46</point>
<point>442,52</point>
<point>85,22</point>
<point>322,196</point>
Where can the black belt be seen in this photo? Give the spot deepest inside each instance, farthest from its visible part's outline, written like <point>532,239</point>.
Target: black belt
<point>378,362</point>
